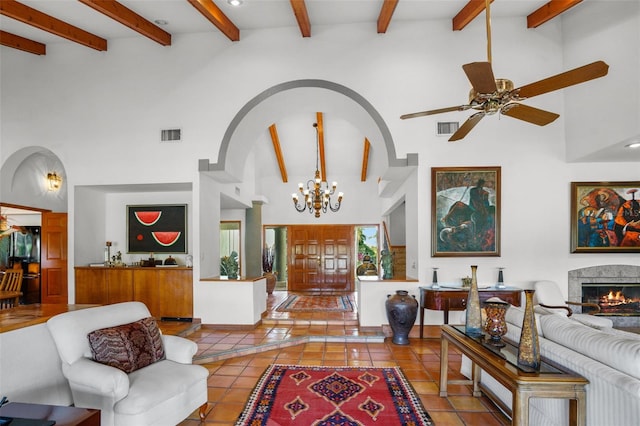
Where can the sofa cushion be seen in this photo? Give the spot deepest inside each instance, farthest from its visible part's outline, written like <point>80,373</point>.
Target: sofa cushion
<point>616,351</point>
<point>515,316</point>
<point>128,347</point>
<point>593,321</point>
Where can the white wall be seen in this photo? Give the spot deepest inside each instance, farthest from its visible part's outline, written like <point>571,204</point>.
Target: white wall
<point>602,32</point>
<point>102,116</point>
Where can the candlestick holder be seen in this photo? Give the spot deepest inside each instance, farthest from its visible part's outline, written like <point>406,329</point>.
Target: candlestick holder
<point>434,281</point>
<point>500,283</point>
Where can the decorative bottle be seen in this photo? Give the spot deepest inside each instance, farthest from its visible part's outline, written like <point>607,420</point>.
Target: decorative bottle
<point>529,347</point>
<point>473,323</point>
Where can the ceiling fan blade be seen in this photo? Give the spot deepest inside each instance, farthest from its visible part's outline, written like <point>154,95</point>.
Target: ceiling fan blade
<point>435,111</point>
<point>529,114</point>
<point>569,78</point>
<point>467,126</point>
<point>481,76</point>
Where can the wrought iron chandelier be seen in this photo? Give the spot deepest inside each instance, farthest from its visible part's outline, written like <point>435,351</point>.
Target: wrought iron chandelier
<point>318,193</point>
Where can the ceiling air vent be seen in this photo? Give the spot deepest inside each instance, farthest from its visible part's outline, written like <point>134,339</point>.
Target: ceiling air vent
<point>171,135</point>
<point>446,128</point>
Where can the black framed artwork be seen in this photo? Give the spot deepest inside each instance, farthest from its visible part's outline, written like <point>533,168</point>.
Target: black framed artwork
<point>157,228</point>
<point>465,211</point>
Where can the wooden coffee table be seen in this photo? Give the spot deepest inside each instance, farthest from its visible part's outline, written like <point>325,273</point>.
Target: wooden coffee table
<point>552,381</point>
<point>62,416</point>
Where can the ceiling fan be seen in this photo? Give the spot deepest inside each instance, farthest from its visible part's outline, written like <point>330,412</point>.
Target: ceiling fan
<point>490,95</point>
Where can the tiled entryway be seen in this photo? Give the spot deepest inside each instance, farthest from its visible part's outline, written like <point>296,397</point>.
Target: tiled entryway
<point>236,358</point>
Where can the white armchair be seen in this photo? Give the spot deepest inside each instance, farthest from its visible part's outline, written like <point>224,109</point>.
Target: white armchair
<point>550,300</point>
<point>162,393</point>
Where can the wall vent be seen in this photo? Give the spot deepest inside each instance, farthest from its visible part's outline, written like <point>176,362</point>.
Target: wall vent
<point>171,135</point>
<point>446,128</point>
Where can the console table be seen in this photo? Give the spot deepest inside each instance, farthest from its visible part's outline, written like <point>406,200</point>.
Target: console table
<point>455,299</point>
<point>58,415</point>
<point>551,381</point>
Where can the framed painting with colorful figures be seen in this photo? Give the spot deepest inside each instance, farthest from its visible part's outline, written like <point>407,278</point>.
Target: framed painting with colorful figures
<point>157,229</point>
<point>465,211</point>
<point>605,217</point>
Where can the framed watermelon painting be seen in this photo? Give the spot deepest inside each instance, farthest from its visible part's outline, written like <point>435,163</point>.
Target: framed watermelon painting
<point>157,229</point>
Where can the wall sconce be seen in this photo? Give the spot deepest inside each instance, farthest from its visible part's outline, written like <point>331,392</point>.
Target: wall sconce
<point>54,181</point>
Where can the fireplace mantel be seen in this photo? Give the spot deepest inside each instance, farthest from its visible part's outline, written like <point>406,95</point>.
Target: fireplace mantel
<point>622,274</point>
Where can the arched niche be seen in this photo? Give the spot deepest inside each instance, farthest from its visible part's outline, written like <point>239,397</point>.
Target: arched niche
<point>24,182</point>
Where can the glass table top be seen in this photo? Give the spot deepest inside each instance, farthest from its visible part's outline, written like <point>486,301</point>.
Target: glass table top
<point>508,352</point>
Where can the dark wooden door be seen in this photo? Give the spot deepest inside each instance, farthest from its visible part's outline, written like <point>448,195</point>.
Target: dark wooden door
<point>53,265</point>
<point>304,258</point>
<point>336,258</point>
<point>320,258</point>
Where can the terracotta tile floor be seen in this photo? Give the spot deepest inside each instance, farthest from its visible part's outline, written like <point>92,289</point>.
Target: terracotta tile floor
<point>236,358</point>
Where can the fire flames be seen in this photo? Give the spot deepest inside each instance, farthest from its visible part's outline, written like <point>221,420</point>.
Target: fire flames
<point>617,300</point>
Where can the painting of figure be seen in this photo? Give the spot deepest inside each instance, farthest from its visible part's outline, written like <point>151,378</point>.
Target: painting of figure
<point>465,211</point>
<point>605,217</point>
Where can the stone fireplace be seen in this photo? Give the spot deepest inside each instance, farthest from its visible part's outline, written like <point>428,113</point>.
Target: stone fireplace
<point>613,287</point>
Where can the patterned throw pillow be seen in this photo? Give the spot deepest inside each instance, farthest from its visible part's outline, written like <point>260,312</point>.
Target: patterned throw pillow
<point>128,347</point>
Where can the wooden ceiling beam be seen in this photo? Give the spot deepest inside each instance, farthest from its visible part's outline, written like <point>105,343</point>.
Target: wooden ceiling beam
<point>278,151</point>
<point>300,10</point>
<point>35,18</point>
<point>468,13</point>
<point>323,167</point>
<point>384,19</point>
<point>21,43</point>
<point>213,13</point>
<point>131,19</point>
<point>549,11</point>
<point>365,160</point>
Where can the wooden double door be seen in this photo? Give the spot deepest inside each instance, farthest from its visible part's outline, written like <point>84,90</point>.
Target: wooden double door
<point>320,258</point>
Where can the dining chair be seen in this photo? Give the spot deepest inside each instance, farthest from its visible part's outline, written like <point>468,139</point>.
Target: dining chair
<point>11,282</point>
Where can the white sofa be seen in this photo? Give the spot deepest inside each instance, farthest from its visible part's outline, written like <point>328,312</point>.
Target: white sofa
<point>30,368</point>
<point>162,393</point>
<point>608,358</point>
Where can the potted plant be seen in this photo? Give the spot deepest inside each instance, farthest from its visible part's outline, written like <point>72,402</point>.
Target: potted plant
<point>268,254</point>
<point>229,266</point>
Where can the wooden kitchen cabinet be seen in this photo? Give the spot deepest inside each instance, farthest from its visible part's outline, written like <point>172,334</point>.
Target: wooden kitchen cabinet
<point>91,286</point>
<point>120,285</point>
<point>146,289</point>
<point>167,292</point>
<point>176,302</point>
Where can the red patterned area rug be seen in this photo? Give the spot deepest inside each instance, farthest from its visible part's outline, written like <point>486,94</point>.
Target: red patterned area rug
<point>302,303</point>
<point>323,396</point>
